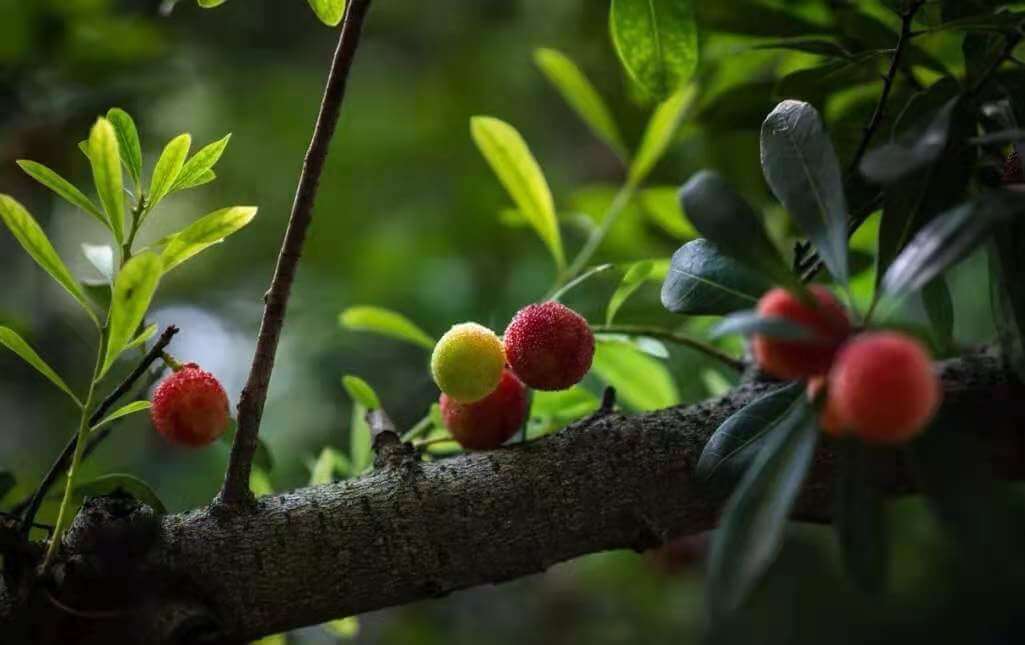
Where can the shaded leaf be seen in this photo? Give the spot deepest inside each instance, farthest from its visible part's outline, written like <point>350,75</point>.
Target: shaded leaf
<point>510,159</point>
<point>750,322</point>
<point>101,256</point>
<point>32,238</point>
<point>703,281</point>
<point>940,308</point>
<point>361,392</point>
<point>756,19</point>
<point>7,482</point>
<point>128,142</point>
<point>801,167</point>
<point>913,150</point>
<point>860,523</point>
<point>632,280</point>
<point>123,411</point>
<point>133,290</point>
<point>64,189</point>
<point>205,232</point>
<point>105,159</point>
<point>657,42</point>
<point>108,484</point>
<point>659,133</point>
<point>12,341</point>
<point>385,322</point>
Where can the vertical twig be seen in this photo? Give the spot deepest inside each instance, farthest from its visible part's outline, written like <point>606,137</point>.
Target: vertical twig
<point>250,407</point>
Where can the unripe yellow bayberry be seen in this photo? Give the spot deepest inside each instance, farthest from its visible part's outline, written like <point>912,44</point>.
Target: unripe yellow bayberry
<point>467,362</point>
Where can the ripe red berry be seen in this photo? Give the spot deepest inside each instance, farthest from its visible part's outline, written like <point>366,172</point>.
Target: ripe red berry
<point>490,422</point>
<point>829,418</point>
<point>793,359</point>
<point>549,346</point>
<point>884,387</point>
<point>190,407</point>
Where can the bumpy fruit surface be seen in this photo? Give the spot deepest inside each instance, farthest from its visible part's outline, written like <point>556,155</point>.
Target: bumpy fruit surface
<point>490,422</point>
<point>884,387</point>
<point>467,362</point>
<point>549,346</point>
<point>190,407</point>
<point>829,418</point>
<point>794,359</point>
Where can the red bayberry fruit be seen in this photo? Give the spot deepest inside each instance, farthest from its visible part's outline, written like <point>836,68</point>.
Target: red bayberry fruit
<point>190,407</point>
<point>793,359</point>
<point>490,422</point>
<point>829,418</point>
<point>884,388</point>
<point>549,346</point>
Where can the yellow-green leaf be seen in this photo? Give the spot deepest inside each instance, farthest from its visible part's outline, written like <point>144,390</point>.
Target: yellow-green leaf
<point>385,322</point>
<point>143,336</point>
<point>641,382</point>
<point>345,628</point>
<point>361,392</point>
<point>64,188</point>
<point>511,160</point>
<point>105,159</point>
<point>199,164</point>
<point>32,238</point>
<point>12,341</point>
<point>128,142</point>
<point>133,291</point>
<point>205,232</point>
<point>330,12</point>
<point>123,411</point>
<point>167,169</point>
<point>578,92</point>
<point>632,281</point>
<point>659,133</point>
<point>657,42</point>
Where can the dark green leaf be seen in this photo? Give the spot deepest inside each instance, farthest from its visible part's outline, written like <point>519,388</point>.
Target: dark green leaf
<point>802,169</point>
<point>703,281</point>
<point>735,444</point>
<point>860,522</point>
<point>657,42</point>
<point>749,322</point>
<point>818,46</point>
<point>940,308</point>
<point>7,482</point>
<point>729,222</point>
<point>756,19</point>
<point>893,161</point>
<point>108,484</point>
<point>754,520</point>
<point>1007,274</point>
<point>816,84</point>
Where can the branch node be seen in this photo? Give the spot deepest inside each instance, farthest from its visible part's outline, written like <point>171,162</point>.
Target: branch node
<point>389,449</point>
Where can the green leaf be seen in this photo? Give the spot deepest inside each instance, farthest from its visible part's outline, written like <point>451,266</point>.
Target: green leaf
<point>634,277</point>
<point>196,169</point>
<point>751,322</point>
<point>819,46</point>
<point>329,463</point>
<point>662,206</point>
<point>32,238</point>
<point>912,150</point>
<point>64,189</point>
<point>801,167</point>
<point>510,159</point>
<point>659,133</point>
<point>657,42</point>
<point>361,392</point>
<point>101,256</point>
<point>261,485</point>
<point>105,159</point>
<point>641,382</point>
<point>123,411</point>
<point>939,306</point>
<point>168,167</point>
<point>703,281</point>
<point>137,488</point>
<point>128,142</point>
<point>143,336</point>
<point>205,232</point>
<point>344,628</point>
<point>330,12</point>
<point>210,4</point>
<point>1007,298</point>
<point>737,442</point>
<point>360,448</point>
<point>722,216</point>
<point>12,341</point>
<point>578,92</point>
<point>386,323</point>
<point>860,521</point>
<point>133,291</point>
<point>7,482</point>
<point>756,19</point>
<point>754,520</point>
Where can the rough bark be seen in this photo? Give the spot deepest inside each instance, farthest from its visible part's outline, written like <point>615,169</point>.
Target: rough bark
<point>415,530</point>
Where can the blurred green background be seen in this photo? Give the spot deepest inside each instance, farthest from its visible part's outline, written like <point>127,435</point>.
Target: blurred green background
<point>408,217</point>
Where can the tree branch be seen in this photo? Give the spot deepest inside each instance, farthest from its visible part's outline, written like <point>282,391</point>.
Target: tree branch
<point>250,407</point>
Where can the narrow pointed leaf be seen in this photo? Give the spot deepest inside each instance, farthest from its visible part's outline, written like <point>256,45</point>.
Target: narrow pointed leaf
<point>167,169</point>
<point>511,160</point>
<point>750,322</point>
<point>133,291</point>
<point>64,188</point>
<point>12,341</point>
<point>149,332</point>
<point>577,91</point>
<point>360,440</point>
<point>201,179</point>
<point>801,167</point>
<point>199,164</point>
<point>913,150</point>
<point>123,411</point>
<point>329,12</point>
<point>634,277</point>
<point>658,134</point>
<point>32,238</point>
<point>137,488</point>
<point>657,42</point>
<point>205,232</point>
<point>703,281</point>
<point>385,322</point>
<point>105,159</point>
<point>128,142</point>
<point>361,392</point>
<point>755,518</point>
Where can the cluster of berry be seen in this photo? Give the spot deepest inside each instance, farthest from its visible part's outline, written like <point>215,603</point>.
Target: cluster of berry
<point>878,386</point>
<point>484,379</point>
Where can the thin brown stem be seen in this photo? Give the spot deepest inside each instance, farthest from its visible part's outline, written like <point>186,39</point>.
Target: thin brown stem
<point>250,407</point>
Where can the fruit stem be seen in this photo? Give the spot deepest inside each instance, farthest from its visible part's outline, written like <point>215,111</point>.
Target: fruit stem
<point>672,337</point>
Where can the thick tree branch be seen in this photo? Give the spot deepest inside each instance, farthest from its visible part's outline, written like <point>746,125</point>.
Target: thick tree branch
<point>250,406</point>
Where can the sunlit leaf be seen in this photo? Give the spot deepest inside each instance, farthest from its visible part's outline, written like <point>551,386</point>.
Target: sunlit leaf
<point>330,12</point>
<point>632,280</point>
<point>133,290</point>
<point>167,169</point>
<point>12,341</point>
<point>205,232</point>
<point>143,336</point>
<point>660,131</point>
<point>64,189</point>
<point>344,628</point>
<point>385,322</point>
<point>329,463</point>
<point>137,488</point>
<point>511,160</point>
<point>123,411</point>
<point>360,444</point>
<point>196,168</point>
<point>641,382</point>
<point>657,42</point>
<point>128,142</point>
<point>662,206</point>
<point>105,159</point>
<point>361,392</point>
<point>32,238</point>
